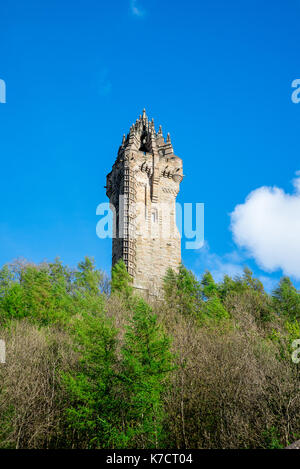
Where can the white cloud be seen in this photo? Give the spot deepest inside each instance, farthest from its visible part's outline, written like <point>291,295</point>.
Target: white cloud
<point>267,225</point>
<point>135,10</point>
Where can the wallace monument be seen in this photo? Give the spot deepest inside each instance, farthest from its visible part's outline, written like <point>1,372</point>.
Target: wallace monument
<point>142,189</point>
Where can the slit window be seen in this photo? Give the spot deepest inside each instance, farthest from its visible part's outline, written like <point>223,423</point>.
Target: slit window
<point>154,216</point>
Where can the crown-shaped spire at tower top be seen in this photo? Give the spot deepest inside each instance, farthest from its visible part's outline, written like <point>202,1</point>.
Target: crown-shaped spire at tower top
<point>143,137</point>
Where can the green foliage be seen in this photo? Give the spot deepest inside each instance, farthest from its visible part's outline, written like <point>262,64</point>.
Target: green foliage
<point>117,402</point>
<point>251,289</point>
<point>272,439</point>
<point>93,410</point>
<point>209,287</point>
<point>206,300</point>
<point>49,293</point>
<point>214,309</point>
<point>121,280</point>
<point>88,278</point>
<point>182,291</point>
<point>286,300</point>
<point>240,284</point>
<point>146,364</point>
<point>189,371</point>
<point>170,285</point>
<point>6,281</point>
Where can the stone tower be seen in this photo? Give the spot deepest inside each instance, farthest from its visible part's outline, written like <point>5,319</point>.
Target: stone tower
<point>142,189</point>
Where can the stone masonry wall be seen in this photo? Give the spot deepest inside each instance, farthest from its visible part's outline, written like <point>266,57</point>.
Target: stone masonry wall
<point>147,176</point>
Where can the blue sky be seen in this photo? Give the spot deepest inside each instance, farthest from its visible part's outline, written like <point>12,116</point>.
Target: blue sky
<point>216,74</point>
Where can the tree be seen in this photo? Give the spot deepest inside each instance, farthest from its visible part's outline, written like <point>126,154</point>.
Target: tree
<point>251,282</point>
<point>286,300</point>
<point>88,277</point>
<point>93,413</point>
<point>182,291</point>
<point>170,284</point>
<point>117,403</point>
<point>146,364</point>
<point>209,287</point>
<point>10,295</point>
<point>121,280</point>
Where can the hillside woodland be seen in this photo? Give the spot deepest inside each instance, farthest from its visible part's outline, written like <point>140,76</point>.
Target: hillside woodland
<point>89,364</point>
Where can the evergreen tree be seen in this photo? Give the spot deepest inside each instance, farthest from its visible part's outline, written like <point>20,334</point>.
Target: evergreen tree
<point>87,294</point>
<point>121,280</point>
<point>212,308</point>
<point>146,364</point>
<point>93,413</point>
<point>11,305</point>
<point>209,287</point>
<point>286,300</point>
<point>170,285</point>
<point>182,291</point>
<point>88,278</point>
<point>251,282</point>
